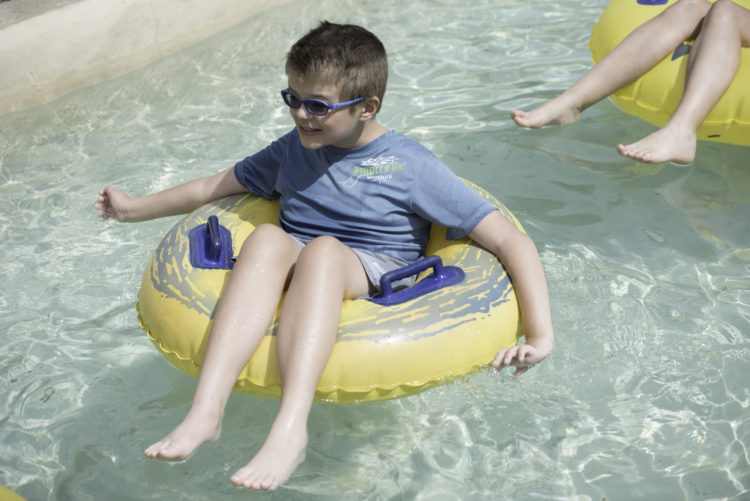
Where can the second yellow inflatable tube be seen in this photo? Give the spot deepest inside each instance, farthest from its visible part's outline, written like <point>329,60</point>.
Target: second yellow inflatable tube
<point>655,95</point>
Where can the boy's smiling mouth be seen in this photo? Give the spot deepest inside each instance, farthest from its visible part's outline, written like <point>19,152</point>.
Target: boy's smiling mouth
<point>307,130</point>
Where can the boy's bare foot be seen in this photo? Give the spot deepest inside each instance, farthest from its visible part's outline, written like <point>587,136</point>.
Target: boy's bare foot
<point>193,431</point>
<point>668,144</point>
<point>553,112</point>
<point>275,461</point>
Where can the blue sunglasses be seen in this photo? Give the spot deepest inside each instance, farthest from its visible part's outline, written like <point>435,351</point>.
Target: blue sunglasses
<point>313,106</point>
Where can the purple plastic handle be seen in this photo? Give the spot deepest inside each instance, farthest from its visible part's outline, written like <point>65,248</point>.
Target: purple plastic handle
<point>652,2</point>
<point>213,242</point>
<point>211,246</point>
<point>442,276</point>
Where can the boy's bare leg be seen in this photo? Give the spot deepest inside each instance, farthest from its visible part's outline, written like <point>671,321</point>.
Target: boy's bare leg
<point>326,272</point>
<point>713,62</point>
<point>245,311</point>
<point>635,55</point>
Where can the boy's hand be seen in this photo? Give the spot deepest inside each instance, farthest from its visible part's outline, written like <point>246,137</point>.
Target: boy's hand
<point>111,204</point>
<point>523,357</point>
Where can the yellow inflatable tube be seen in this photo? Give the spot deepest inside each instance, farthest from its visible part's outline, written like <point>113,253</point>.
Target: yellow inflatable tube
<point>655,95</point>
<point>8,495</point>
<point>381,352</point>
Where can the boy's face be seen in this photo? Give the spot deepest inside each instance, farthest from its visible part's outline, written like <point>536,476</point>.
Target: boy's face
<point>341,127</point>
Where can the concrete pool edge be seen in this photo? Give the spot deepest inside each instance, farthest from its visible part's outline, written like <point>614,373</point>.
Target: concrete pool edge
<point>46,56</point>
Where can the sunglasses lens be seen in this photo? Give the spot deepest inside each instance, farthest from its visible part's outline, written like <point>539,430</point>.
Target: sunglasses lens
<point>316,107</point>
<point>291,100</point>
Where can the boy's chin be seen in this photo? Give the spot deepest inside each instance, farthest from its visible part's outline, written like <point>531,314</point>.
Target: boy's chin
<point>311,145</point>
<point>317,141</point>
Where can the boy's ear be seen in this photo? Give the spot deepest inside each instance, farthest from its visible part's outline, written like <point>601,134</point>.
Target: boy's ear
<point>370,108</point>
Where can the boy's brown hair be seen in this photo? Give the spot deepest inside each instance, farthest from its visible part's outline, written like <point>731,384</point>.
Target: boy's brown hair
<point>344,55</point>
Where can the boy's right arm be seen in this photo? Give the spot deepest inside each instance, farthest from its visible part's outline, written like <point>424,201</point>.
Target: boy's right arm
<point>519,256</point>
<point>181,199</point>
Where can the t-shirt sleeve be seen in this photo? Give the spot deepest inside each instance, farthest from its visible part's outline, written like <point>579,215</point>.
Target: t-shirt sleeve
<point>259,172</point>
<point>441,197</point>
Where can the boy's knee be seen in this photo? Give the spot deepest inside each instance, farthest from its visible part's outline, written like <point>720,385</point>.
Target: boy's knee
<point>693,9</point>
<point>327,260</point>
<point>722,4</point>
<point>266,235</point>
<point>722,10</point>
<point>323,249</point>
<point>325,253</point>
<point>692,4</point>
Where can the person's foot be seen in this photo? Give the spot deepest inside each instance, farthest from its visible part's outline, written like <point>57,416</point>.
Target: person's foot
<point>553,112</point>
<point>275,461</point>
<point>194,430</point>
<point>668,144</point>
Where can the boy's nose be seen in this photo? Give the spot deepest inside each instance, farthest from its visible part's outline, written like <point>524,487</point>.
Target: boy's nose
<point>302,113</point>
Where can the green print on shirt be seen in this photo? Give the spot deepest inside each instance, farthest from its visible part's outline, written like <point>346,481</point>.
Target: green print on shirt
<point>378,170</point>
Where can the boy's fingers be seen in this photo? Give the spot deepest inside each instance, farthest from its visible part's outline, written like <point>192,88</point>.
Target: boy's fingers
<point>521,355</point>
<point>496,361</point>
<point>510,355</point>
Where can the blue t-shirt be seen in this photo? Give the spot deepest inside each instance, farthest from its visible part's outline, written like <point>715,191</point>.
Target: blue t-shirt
<point>380,197</point>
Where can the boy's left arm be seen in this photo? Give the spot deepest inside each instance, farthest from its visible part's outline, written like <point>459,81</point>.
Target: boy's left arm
<point>520,258</point>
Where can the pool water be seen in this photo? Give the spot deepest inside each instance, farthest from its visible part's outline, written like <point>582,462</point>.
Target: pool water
<point>645,396</point>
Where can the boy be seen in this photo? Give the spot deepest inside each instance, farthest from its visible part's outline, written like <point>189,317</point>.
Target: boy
<point>338,233</point>
<point>720,30</point>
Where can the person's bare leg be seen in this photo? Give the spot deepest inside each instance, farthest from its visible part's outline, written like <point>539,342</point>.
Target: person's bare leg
<point>244,312</point>
<point>714,60</point>
<point>326,272</point>
<point>635,55</point>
